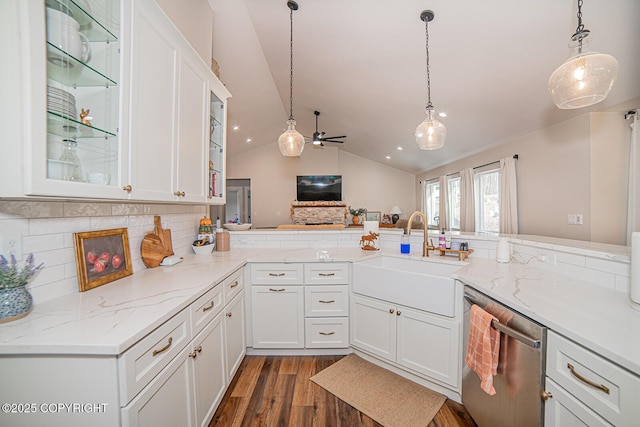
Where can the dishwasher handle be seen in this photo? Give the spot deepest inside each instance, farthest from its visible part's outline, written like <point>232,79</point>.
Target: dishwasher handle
<point>523,338</point>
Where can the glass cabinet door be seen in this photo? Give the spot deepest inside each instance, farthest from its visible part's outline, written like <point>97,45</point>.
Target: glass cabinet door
<point>83,65</point>
<point>216,148</point>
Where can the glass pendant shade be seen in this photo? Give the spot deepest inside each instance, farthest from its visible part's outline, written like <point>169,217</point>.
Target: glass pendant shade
<point>582,80</point>
<point>431,133</point>
<point>291,142</point>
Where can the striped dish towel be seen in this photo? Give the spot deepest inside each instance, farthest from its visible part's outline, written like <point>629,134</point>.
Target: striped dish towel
<point>484,348</point>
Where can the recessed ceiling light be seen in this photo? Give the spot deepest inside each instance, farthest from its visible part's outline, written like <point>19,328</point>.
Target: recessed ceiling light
<point>399,148</point>
<point>248,140</point>
<point>443,114</point>
<point>387,157</point>
<point>236,127</point>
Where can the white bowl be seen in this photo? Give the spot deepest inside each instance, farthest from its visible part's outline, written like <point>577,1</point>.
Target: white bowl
<point>203,250</point>
<point>237,227</point>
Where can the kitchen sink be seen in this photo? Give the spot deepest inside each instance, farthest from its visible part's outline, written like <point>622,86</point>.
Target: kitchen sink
<point>420,284</point>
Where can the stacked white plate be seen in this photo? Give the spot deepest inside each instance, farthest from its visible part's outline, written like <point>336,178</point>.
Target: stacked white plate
<point>62,102</point>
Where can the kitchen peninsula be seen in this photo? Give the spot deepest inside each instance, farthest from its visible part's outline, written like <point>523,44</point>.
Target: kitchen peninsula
<point>91,332</point>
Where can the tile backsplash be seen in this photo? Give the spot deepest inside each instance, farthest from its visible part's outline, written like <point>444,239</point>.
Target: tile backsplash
<point>45,228</point>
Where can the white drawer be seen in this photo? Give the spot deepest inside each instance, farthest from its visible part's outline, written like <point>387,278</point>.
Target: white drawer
<point>321,273</point>
<point>232,285</point>
<point>326,301</point>
<point>326,332</point>
<point>614,391</point>
<point>138,365</point>
<point>276,274</point>
<point>206,308</point>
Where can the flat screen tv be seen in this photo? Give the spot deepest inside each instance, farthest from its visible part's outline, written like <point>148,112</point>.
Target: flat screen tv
<point>315,188</point>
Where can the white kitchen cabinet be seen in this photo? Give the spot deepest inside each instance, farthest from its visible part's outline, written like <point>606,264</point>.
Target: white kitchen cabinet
<point>149,94</point>
<point>209,372</point>
<point>171,113</point>
<point>168,400</point>
<point>424,343</point>
<point>586,387</point>
<point>234,327</point>
<point>277,316</point>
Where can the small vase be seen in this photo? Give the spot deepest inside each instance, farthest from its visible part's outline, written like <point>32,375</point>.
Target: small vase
<point>15,303</point>
<point>355,219</point>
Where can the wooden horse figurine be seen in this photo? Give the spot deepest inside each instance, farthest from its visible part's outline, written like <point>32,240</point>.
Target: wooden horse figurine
<point>368,243</point>
<point>85,118</point>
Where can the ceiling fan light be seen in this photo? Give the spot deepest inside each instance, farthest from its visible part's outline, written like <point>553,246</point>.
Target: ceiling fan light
<point>583,80</point>
<point>291,142</point>
<point>431,133</point>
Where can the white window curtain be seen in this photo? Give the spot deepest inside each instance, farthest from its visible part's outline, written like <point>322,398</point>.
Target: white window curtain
<point>444,203</point>
<point>423,198</point>
<point>508,197</point>
<point>467,201</point>
<point>633,209</point>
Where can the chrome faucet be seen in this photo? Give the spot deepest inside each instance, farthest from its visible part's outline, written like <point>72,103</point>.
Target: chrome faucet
<point>425,246</point>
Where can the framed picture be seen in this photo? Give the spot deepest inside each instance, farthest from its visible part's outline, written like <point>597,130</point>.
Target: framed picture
<point>102,257</point>
<point>373,216</point>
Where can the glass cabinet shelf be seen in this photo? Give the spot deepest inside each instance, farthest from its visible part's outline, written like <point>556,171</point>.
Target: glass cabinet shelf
<point>66,127</point>
<point>72,72</point>
<point>90,26</point>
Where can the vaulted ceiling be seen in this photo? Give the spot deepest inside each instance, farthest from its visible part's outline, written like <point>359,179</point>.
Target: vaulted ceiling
<point>362,64</point>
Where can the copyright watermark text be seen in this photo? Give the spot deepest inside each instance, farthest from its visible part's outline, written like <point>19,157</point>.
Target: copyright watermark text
<point>54,408</point>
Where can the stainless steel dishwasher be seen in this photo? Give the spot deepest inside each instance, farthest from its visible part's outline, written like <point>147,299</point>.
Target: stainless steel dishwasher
<point>521,369</point>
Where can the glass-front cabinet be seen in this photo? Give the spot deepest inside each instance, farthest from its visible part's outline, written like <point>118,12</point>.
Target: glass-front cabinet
<point>82,156</point>
<point>216,149</point>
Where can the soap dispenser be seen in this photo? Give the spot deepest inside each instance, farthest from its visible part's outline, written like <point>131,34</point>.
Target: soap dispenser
<point>405,245</point>
<point>442,240</point>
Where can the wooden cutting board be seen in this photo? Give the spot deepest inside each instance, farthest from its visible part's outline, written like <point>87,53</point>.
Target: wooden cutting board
<point>156,245</point>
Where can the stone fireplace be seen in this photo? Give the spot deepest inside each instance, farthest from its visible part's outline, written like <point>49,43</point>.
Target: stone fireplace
<point>311,213</point>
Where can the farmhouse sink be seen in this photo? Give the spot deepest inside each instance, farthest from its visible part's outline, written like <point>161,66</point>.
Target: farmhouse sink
<point>420,284</point>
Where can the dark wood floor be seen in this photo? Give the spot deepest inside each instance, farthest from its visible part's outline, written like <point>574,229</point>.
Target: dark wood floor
<point>276,391</point>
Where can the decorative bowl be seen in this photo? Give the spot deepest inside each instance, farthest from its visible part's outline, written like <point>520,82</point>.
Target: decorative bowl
<point>203,250</point>
<point>237,227</point>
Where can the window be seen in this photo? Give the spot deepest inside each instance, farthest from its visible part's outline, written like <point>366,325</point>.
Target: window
<point>454,203</point>
<point>487,195</point>
<point>432,203</point>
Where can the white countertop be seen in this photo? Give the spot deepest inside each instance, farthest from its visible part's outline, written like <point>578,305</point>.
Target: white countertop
<point>109,319</point>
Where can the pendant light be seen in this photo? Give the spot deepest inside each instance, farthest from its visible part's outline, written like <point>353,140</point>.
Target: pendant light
<point>291,142</point>
<point>431,133</point>
<point>586,77</point>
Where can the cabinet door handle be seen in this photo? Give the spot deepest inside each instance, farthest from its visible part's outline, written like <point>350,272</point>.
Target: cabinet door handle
<point>163,349</point>
<point>398,313</point>
<point>276,274</point>
<point>326,333</point>
<point>179,193</point>
<point>207,308</point>
<point>193,355</point>
<point>276,290</point>
<point>602,387</point>
<point>391,310</point>
<point>234,284</point>
<point>229,314</point>
<point>544,395</point>
<point>199,349</point>
<point>327,274</point>
<point>127,188</point>
<point>327,301</point>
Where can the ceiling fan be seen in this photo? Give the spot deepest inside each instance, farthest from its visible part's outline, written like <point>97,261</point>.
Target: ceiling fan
<point>319,138</point>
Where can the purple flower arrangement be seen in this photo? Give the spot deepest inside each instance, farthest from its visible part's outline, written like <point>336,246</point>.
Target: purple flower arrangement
<point>12,276</point>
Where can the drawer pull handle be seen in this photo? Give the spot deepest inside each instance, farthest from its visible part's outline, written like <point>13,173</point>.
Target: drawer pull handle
<point>276,290</point>
<point>127,188</point>
<point>234,284</point>
<point>331,301</point>
<point>326,274</point>
<point>163,349</point>
<point>604,388</point>
<point>229,314</point>
<point>207,308</point>
<point>326,333</point>
<point>276,274</point>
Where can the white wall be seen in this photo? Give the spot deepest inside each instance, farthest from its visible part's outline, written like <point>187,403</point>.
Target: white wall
<point>365,183</point>
<point>194,19</point>
<point>575,167</point>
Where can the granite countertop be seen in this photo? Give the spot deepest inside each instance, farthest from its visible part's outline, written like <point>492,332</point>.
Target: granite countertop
<point>110,319</point>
